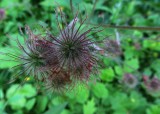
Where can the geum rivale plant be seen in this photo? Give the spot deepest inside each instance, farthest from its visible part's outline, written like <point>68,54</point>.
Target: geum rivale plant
<point>59,61</point>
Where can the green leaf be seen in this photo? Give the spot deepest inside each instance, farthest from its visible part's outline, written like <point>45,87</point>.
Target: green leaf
<point>17,95</point>
<point>2,104</point>
<point>156,66</point>
<point>130,8</point>
<point>131,65</point>
<point>82,95</point>
<point>57,109</point>
<point>49,3</point>
<point>119,101</point>
<point>14,38</point>
<point>130,53</point>
<point>147,72</point>
<point>154,109</point>
<point>136,100</point>
<point>30,103</point>
<point>9,26</point>
<point>12,91</point>
<point>99,90</point>
<point>107,74</point>
<point>79,94</point>
<point>151,44</point>
<point>1,94</point>
<point>6,61</point>
<point>120,111</point>
<point>57,100</point>
<point>89,108</point>
<point>28,91</point>
<point>17,102</point>
<point>19,112</point>
<point>119,70</point>
<point>66,112</point>
<point>41,103</point>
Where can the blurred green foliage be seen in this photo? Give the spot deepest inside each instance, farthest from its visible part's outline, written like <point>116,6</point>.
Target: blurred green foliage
<point>141,56</point>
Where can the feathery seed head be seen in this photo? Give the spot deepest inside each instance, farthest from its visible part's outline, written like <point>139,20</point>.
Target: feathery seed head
<point>154,84</point>
<point>37,55</point>
<point>112,47</point>
<point>130,80</point>
<point>74,49</point>
<point>62,60</point>
<point>58,81</point>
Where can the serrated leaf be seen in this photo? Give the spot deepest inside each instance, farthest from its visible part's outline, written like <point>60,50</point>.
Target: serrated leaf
<point>107,74</point>
<point>99,90</point>
<point>57,109</point>
<point>119,101</point>
<point>131,65</point>
<point>89,108</point>
<point>79,94</point>
<point>83,95</point>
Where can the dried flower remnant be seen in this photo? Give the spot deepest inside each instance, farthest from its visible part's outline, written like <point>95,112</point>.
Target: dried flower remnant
<point>130,81</point>
<point>60,61</point>
<point>2,14</point>
<point>137,46</point>
<point>153,84</point>
<point>36,56</point>
<point>75,49</point>
<point>112,47</point>
<point>58,81</point>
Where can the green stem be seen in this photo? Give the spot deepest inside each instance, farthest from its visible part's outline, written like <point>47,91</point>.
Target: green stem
<point>130,27</point>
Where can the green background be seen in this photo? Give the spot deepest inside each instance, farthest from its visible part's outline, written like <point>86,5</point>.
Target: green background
<point>105,96</point>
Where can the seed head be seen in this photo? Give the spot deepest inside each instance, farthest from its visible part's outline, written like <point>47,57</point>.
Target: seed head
<point>112,47</point>
<point>130,80</point>
<point>36,56</point>
<point>74,50</point>
<point>154,84</point>
<point>58,81</point>
<point>59,61</point>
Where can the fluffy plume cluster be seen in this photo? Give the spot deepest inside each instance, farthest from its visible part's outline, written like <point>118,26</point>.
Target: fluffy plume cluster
<point>152,85</point>
<point>130,81</point>
<point>61,60</point>
<point>58,61</point>
<point>113,47</point>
